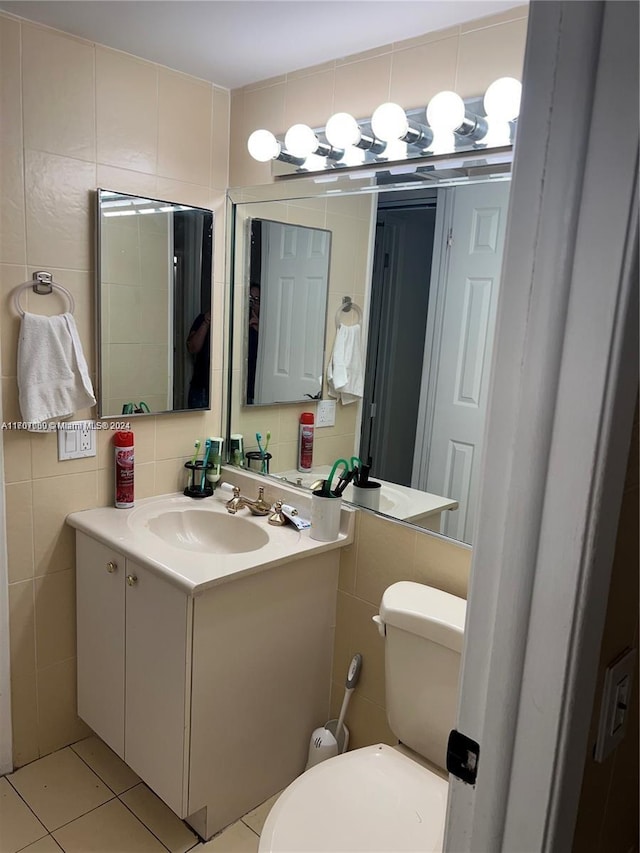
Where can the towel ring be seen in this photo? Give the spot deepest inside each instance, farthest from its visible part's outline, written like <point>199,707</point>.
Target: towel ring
<point>348,305</point>
<point>42,283</point>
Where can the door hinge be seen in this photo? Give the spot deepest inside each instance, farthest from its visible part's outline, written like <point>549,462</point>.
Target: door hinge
<point>450,238</point>
<point>372,411</point>
<point>463,755</point>
<point>386,261</point>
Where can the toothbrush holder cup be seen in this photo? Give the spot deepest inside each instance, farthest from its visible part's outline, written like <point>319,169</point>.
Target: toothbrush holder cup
<point>325,516</point>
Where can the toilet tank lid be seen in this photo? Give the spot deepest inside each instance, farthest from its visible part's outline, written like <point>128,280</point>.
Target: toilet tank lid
<point>427,612</point>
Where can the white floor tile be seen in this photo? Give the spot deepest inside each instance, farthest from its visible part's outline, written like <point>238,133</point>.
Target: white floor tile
<point>159,818</point>
<point>256,818</point>
<point>103,761</point>
<point>236,838</point>
<point>109,829</point>
<point>18,824</point>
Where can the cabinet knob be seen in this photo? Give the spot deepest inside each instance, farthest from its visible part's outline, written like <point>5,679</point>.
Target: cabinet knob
<point>111,566</point>
<point>132,580</point>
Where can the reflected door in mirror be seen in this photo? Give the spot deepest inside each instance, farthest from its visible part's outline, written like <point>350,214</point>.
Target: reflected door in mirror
<point>287,306</point>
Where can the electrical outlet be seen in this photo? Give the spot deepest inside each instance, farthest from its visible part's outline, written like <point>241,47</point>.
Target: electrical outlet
<point>76,439</point>
<point>326,413</point>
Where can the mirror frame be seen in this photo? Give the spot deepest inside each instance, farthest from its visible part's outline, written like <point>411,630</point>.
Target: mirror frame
<point>99,312</point>
<point>426,173</point>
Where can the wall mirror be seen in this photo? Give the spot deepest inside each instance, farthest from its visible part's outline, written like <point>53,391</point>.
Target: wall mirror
<point>154,268</point>
<point>420,253</point>
<point>287,306</point>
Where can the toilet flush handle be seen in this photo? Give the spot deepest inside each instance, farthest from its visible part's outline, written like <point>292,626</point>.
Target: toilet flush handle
<point>381,626</point>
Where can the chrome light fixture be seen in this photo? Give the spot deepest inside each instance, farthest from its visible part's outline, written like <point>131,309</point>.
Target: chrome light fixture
<point>343,131</point>
<point>302,141</point>
<point>389,122</point>
<point>263,146</point>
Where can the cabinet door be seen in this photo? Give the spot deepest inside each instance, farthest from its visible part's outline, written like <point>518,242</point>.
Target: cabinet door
<point>100,621</point>
<point>157,617</point>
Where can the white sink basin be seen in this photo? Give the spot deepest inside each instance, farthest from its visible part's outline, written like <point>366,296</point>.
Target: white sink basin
<point>203,531</point>
<point>200,530</point>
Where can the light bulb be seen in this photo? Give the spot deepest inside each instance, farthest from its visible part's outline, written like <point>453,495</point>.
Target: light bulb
<point>342,130</point>
<point>263,146</point>
<point>300,140</point>
<point>445,112</point>
<point>389,122</point>
<point>352,157</point>
<point>502,99</point>
<point>498,133</point>
<point>314,163</point>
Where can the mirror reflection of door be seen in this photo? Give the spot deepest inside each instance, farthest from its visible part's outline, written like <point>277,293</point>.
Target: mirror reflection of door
<point>433,306</point>
<point>288,288</point>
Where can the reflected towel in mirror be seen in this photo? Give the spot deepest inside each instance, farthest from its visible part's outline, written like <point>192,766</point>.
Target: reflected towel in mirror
<point>345,373</point>
<point>53,379</point>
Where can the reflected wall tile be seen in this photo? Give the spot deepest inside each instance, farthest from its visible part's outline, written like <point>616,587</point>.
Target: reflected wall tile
<point>59,200</point>
<point>58,721</point>
<point>126,110</point>
<point>220,138</point>
<point>19,520</point>
<point>184,127</point>
<point>55,618</point>
<point>58,91</point>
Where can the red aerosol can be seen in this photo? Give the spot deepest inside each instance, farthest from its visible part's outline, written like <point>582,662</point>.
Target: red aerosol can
<point>123,443</point>
<point>305,442</point>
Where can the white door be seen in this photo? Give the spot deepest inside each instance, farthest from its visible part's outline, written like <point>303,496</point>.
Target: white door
<point>466,298</point>
<point>293,305</point>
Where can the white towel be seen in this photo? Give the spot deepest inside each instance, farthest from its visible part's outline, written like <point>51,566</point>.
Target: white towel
<point>53,379</point>
<point>345,374</point>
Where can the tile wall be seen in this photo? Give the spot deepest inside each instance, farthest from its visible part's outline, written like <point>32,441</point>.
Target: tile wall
<point>77,116</point>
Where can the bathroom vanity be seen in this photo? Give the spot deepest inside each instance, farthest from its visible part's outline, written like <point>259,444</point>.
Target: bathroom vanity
<point>204,648</point>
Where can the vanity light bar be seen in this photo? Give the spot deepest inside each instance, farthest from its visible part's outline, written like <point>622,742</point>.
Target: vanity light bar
<point>395,134</point>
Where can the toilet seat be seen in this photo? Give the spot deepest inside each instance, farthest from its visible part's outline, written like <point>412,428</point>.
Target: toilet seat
<point>371,800</point>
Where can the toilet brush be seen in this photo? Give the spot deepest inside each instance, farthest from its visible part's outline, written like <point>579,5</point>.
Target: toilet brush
<point>332,738</point>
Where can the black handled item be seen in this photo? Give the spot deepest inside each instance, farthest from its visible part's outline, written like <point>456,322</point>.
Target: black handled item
<point>354,671</point>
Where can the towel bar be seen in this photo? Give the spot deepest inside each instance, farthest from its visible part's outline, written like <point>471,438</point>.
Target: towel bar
<point>348,305</point>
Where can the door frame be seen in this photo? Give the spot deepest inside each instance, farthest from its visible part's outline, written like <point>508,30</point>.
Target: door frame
<point>555,456</point>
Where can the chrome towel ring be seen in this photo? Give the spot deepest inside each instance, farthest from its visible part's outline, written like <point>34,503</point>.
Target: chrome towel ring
<point>42,284</point>
<point>346,307</point>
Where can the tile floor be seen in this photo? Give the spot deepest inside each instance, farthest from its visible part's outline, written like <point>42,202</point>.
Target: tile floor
<point>84,799</point>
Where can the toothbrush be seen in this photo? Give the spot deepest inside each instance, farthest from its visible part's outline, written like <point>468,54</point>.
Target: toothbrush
<point>262,452</point>
<point>195,455</point>
<point>205,462</point>
<point>264,458</point>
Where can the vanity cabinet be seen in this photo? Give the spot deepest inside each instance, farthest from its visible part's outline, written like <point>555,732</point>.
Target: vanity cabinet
<point>209,696</point>
<point>132,665</point>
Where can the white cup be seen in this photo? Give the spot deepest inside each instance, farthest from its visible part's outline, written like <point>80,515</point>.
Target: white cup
<point>325,517</point>
<point>368,496</point>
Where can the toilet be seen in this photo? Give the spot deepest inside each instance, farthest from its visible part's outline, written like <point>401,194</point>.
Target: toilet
<point>387,798</point>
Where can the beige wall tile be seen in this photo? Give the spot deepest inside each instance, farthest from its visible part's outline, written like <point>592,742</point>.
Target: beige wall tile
<point>426,38</point>
<point>442,563</point>
<point>180,192</point>
<point>348,557</point>
<point>386,553</point>
<point>10,93</point>
<point>59,200</point>
<point>493,20</point>
<point>53,500</point>
<point>19,520</point>
<point>17,453</point>
<point>220,138</point>
<point>362,86</point>
<point>55,618</point>
<point>175,435</point>
<point>490,53</point>
<point>12,215</point>
<point>184,128</point>
<point>309,100</point>
<point>170,476</point>
<point>126,181</point>
<point>365,638</point>
<point>22,628</point>
<point>58,91</point>
<point>58,722</point>
<point>126,110</point>
<point>419,73</point>
<point>24,718</point>
<point>367,722</point>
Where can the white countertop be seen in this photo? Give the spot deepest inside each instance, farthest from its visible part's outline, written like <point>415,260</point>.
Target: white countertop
<point>128,531</point>
<point>401,502</point>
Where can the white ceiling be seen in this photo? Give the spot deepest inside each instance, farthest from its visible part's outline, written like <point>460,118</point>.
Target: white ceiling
<point>236,42</point>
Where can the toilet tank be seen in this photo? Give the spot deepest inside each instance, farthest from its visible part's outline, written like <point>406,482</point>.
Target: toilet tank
<point>424,631</point>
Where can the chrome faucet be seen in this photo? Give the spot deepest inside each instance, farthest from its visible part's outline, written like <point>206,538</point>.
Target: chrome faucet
<point>256,507</point>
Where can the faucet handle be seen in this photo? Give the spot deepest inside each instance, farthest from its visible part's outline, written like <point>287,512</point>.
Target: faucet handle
<point>278,518</point>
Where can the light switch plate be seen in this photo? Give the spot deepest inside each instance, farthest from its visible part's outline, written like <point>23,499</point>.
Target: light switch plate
<point>614,708</point>
<point>76,439</point>
<point>326,413</point>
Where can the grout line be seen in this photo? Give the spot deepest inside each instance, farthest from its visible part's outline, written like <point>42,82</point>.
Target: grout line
<point>94,809</point>
<point>25,802</point>
<point>148,828</point>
